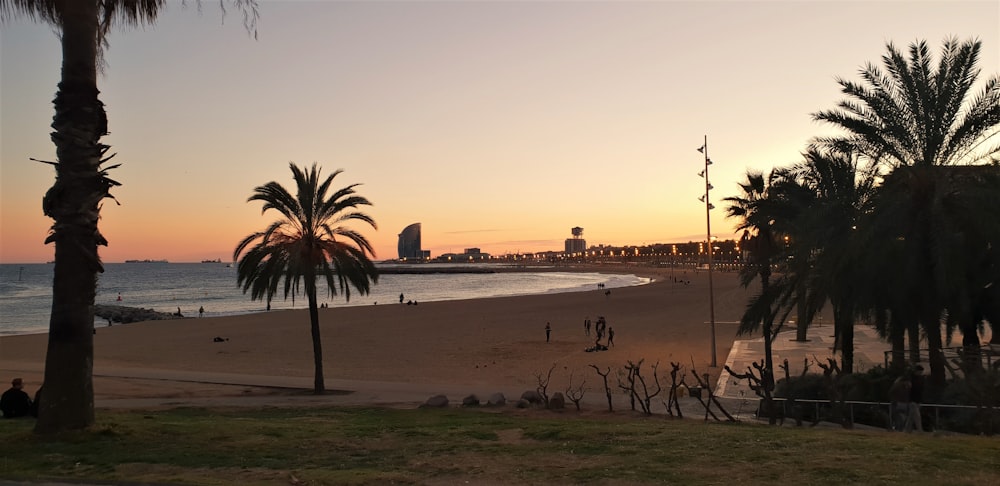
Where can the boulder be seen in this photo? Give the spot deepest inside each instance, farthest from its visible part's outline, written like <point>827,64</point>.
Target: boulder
<point>557,401</point>
<point>437,401</point>
<point>497,400</point>
<point>522,403</point>
<point>532,396</point>
<point>470,401</point>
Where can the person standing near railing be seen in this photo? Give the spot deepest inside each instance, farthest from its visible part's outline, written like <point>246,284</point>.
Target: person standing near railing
<point>913,420</point>
<point>899,395</point>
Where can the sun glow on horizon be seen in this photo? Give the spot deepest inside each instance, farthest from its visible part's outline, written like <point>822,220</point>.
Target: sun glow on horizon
<point>525,119</point>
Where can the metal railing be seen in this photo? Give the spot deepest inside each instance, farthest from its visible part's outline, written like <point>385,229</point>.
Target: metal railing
<point>823,411</point>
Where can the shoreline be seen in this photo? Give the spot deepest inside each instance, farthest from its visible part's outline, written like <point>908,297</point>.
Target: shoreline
<point>223,302</point>
<point>481,344</point>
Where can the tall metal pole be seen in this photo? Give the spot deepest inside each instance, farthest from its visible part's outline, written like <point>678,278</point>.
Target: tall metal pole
<point>708,228</point>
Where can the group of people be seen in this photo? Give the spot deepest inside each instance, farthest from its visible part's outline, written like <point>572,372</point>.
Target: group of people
<point>600,328</point>
<point>15,402</point>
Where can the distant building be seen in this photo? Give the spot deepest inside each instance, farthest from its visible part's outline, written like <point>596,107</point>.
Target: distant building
<point>576,244</point>
<point>470,255</point>
<point>409,244</point>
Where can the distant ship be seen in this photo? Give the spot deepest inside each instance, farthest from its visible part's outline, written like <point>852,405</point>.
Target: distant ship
<point>146,261</point>
<point>217,260</point>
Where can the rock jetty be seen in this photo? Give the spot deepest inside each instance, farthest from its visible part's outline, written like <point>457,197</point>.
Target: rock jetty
<point>121,314</point>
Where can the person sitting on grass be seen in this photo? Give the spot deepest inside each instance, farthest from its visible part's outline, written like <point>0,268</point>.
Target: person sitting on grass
<point>15,402</point>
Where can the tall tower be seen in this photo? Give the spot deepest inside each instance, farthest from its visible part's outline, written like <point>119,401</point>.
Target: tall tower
<point>576,244</point>
<point>409,243</point>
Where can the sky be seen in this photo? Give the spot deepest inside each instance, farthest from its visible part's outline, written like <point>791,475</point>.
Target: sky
<point>497,125</point>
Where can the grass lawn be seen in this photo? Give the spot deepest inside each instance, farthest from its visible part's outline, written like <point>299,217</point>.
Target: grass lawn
<point>452,446</point>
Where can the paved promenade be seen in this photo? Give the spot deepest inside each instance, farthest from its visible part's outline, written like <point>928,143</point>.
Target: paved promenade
<point>868,352</point>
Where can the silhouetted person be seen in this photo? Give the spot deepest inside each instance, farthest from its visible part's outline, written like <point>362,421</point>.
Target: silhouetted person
<point>400,298</point>
<point>899,396</point>
<point>913,419</point>
<point>548,331</point>
<point>201,311</point>
<point>586,325</point>
<point>611,336</point>
<point>15,402</point>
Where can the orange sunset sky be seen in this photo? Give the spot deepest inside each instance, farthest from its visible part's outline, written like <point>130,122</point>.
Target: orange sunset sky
<point>497,125</point>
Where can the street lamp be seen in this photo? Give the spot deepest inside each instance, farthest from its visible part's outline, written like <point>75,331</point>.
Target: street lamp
<point>708,228</point>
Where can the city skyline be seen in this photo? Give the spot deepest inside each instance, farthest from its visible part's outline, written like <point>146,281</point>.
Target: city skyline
<point>498,125</point>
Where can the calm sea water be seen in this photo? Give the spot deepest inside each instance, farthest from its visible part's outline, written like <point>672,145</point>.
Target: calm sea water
<point>26,290</point>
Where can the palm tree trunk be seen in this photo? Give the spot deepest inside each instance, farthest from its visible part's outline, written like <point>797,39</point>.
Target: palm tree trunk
<point>845,322</point>
<point>932,329</point>
<point>801,324</point>
<point>913,336</point>
<point>971,351</point>
<point>319,384</point>
<point>767,375</point>
<point>73,202</point>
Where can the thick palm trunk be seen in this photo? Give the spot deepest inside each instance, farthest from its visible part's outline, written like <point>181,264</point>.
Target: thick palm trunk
<point>802,324</point>
<point>73,202</point>
<point>971,351</point>
<point>932,329</point>
<point>767,375</point>
<point>319,384</point>
<point>845,323</point>
<point>913,338</point>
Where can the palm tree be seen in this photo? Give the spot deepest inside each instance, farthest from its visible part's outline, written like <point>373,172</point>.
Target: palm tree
<point>757,224</point>
<point>915,118</point>
<point>81,184</point>
<point>913,115</point>
<point>838,195</point>
<point>308,243</point>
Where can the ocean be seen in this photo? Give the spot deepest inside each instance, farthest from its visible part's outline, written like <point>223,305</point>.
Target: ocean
<point>26,289</point>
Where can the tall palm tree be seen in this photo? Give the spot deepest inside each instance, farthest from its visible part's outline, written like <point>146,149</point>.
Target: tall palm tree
<point>839,197</point>
<point>790,203</point>
<point>81,184</point>
<point>914,118</point>
<point>308,243</point>
<point>759,238</point>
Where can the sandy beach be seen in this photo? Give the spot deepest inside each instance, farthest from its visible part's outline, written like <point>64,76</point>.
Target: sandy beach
<point>397,352</point>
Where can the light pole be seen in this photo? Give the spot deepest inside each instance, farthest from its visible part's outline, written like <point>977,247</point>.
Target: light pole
<point>708,228</point>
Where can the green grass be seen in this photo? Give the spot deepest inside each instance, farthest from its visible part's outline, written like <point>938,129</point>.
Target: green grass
<point>379,446</point>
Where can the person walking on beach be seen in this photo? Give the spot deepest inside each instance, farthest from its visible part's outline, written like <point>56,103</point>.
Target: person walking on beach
<point>400,298</point>
<point>611,336</point>
<point>201,311</point>
<point>586,325</point>
<point>548,331</point>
